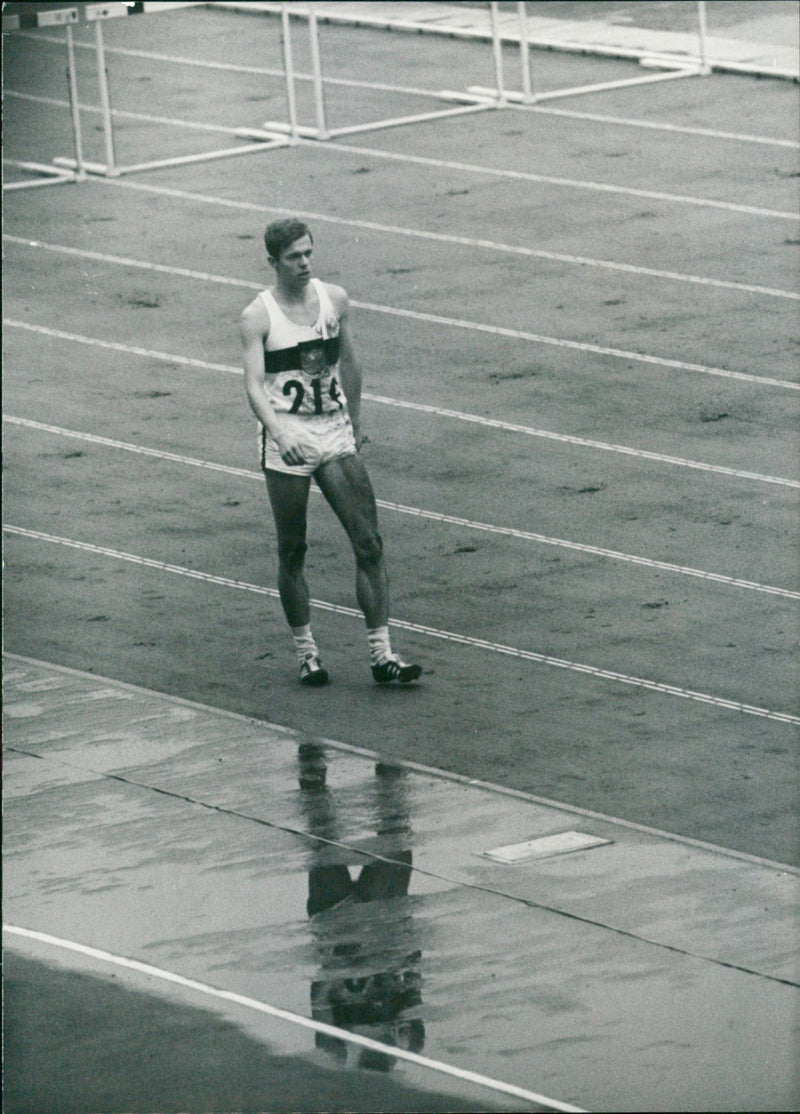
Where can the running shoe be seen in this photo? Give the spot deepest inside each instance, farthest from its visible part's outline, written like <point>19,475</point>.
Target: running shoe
<point>313,672</point>
<point>393,669</point>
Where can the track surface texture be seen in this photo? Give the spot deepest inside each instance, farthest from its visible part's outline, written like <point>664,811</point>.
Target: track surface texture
<point>585,451</point>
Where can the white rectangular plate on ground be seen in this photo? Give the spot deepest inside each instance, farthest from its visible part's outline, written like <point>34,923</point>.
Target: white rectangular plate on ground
<point>544,847</point>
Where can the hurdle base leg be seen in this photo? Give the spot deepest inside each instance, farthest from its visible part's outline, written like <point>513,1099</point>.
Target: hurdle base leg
<point>98,168</point>
<point>296,131</point>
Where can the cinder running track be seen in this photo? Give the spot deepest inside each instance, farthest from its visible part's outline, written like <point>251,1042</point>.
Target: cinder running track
<point>576,321</point>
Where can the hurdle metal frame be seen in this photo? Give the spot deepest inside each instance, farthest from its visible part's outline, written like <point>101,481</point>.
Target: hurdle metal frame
<point>672,68</point>
<point>77,168</point>
<point>279,134</point>
<point>51,174</point>
<point>475,98</point>
<point>469,101</point>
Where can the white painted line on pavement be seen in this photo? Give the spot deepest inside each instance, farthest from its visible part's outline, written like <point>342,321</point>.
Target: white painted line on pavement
<point>417,512</point>
<point>417,628</point>
<point>655,125</point>
<point>451,322</point>
<point>567,183</point>
<point>260,71</point>
<point>441,237</point>
<point>293,1018</point>
<point>642,454</point>
<point>438,411</point>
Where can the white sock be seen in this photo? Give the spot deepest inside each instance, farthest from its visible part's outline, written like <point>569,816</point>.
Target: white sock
<point>380,648</point>
<point>304,643</point>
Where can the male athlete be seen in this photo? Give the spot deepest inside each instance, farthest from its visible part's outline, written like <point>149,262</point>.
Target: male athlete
<point>304,386</point>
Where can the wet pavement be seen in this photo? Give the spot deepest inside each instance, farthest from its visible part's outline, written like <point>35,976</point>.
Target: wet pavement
<point>597,963</point>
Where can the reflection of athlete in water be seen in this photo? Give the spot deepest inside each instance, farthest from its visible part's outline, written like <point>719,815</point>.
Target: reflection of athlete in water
<point>370,981</point>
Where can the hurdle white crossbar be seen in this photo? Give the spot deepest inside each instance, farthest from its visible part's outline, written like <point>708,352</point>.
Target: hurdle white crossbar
<point>29,18</point>
<point>77,168</point>
<point>468,101</point>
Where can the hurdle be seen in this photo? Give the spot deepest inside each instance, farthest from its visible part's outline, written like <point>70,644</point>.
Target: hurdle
<point>77,168</point>
<point>671,68</point>
<point>469,101</point>
<point>51,174</point>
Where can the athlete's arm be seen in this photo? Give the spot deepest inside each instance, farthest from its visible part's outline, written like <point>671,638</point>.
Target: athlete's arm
<point>254,331</point>
<point>349,368</point>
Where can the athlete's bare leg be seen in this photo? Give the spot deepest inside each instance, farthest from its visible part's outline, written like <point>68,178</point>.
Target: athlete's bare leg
<point>289,498</point>
<point>346,486</point>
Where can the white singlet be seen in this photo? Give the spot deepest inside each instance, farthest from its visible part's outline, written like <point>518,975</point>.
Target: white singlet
<point>302,361</point>
<point>303,386</point>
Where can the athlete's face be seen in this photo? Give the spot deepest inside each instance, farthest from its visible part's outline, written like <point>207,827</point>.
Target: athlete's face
<point>294,266</point>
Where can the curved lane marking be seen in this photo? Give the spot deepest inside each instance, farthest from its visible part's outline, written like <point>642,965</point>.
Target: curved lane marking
<point>294,1018</point>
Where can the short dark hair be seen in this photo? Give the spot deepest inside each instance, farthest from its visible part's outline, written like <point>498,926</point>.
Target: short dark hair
<point>281,233</point>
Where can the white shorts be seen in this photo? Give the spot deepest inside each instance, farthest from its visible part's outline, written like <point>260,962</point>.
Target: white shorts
<point>324,437</point>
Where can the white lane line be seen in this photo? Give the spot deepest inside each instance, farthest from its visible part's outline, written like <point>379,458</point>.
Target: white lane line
<point>418,512</point>
<point>442,412</point>
<point>578,346</point>
<point>113,346</point>
<point>595,551</point>
<point>416,628</point>
<point>440,237</point>
<point>124,115</point>
<point>566,183</point>
<point>141,264</point>
<point>495,330</point>
<point>642,454</point>
<point>653,125</point>
<point>547,180</point>
<point>229,67</point>
<point>178,59</point>
<point>293,1018</point>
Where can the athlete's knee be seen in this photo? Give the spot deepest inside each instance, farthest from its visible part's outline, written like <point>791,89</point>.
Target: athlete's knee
<point>292,553</point>
<point>368,549</point>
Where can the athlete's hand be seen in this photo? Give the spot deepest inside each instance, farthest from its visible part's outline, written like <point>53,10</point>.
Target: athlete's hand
<point>292,451</point>
<point>359,437</point>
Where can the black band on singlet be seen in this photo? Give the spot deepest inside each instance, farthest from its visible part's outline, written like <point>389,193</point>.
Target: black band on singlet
<point>289,359</point>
